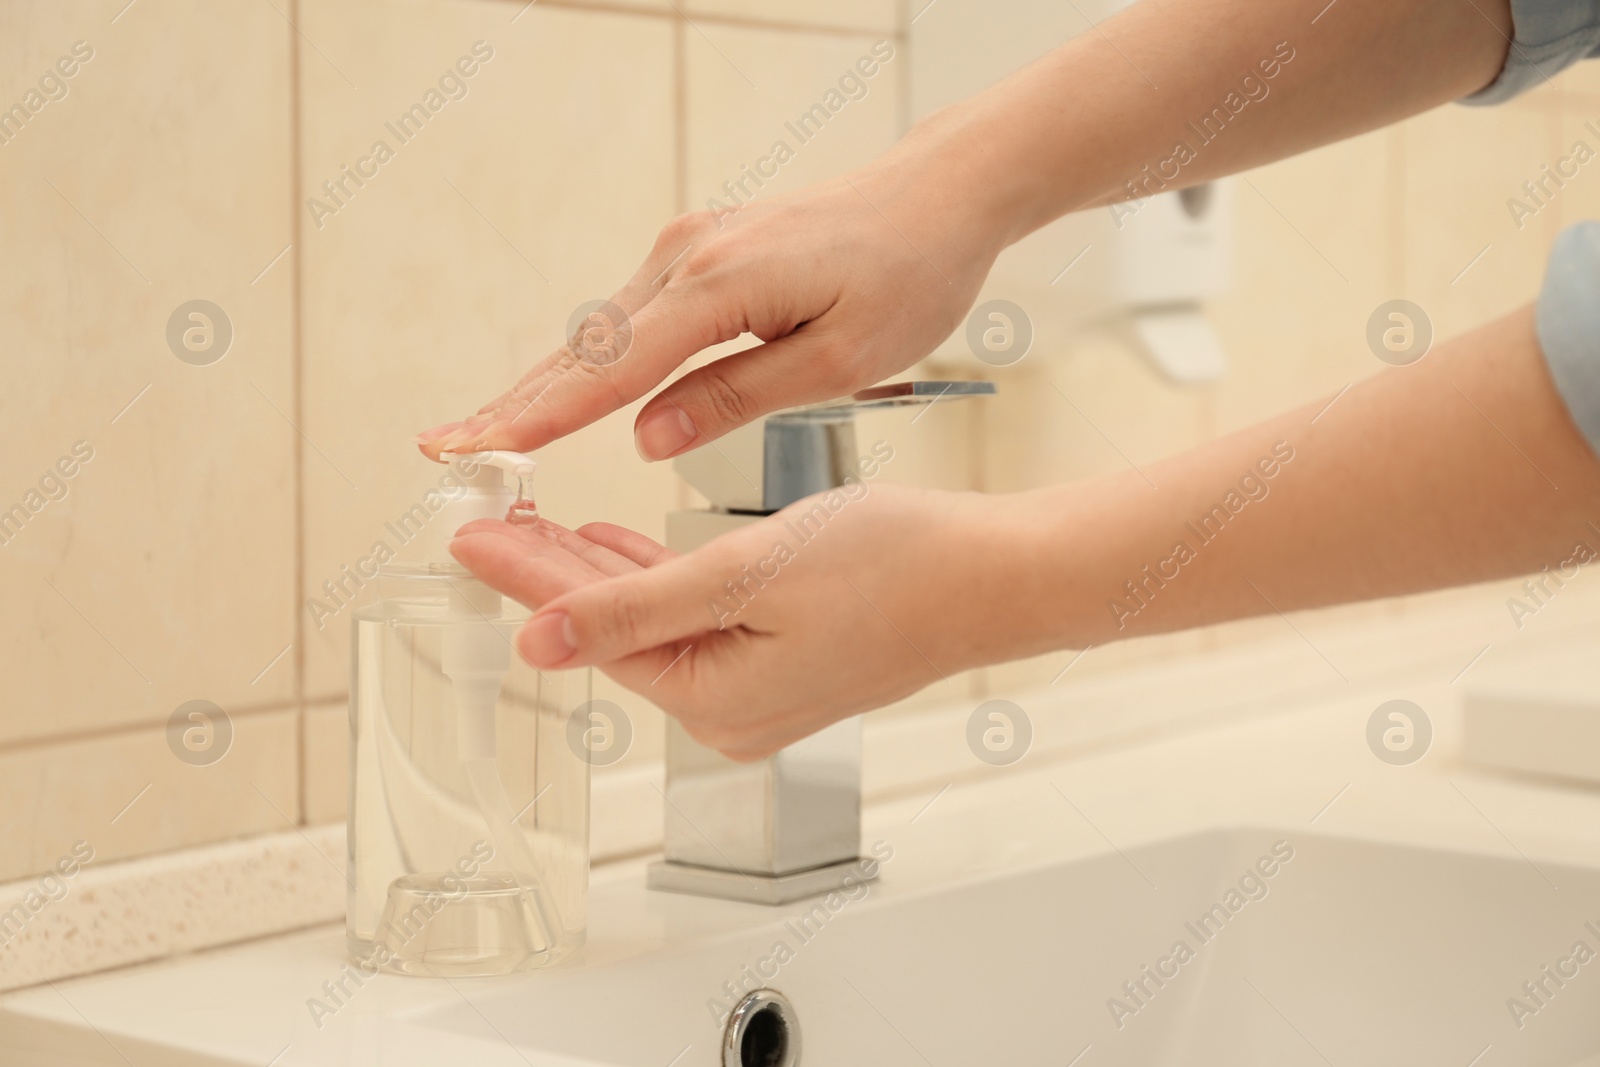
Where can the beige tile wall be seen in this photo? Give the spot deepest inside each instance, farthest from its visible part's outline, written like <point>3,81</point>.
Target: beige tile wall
<point>179,563</point>
<point>166,571</point>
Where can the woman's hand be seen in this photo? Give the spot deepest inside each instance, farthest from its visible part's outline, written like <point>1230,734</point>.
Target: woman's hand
<point>836,605</point>
<point>853,280</point>
<point>847,282</point>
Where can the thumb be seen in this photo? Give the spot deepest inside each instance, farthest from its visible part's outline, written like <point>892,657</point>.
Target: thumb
<point>608,620</point>
<point>724,395</point>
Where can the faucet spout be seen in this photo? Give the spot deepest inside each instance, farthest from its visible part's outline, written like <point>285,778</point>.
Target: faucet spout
<point>788,826</point>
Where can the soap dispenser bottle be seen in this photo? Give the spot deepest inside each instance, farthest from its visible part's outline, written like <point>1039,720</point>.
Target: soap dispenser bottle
<point>469,811</point>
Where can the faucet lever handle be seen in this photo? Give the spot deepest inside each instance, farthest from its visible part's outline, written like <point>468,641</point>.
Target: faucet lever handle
<point>772,462</point>
<point>809,450</point>
<point>901,394</point>
<point>894,394</point>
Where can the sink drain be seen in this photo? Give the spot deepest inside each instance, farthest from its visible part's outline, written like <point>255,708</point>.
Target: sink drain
<point>763,1031</point>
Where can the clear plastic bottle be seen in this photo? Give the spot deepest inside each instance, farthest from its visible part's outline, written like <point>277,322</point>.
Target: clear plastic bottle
<point>469,811</point>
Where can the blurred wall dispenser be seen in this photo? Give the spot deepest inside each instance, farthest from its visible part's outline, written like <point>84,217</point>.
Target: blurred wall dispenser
<point>1149,262</point>
<point>1173,254</point>
<point>788,826</point>
<point>469,814</point>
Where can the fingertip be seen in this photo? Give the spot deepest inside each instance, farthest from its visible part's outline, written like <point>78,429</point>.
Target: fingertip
<point>464,549</point>
<point>663,433</point>
<point>453,442</point>
<point>477,434</point>
<point>470,531</point>
<point>626,543</point>
<point>548,640</point>
<point>489,526</point>
<point>438,431</point>
<point>599,528</point>
<point>499,434</point>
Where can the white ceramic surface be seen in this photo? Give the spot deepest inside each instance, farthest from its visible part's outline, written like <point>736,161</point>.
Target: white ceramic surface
<point>1417,902</point>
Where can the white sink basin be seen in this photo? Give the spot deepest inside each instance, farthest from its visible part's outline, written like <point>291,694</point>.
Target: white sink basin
<point>1357,953</point>
<point>1416,904</point>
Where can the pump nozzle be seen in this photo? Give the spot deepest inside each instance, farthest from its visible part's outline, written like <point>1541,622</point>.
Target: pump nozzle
<point>520,466</point>
<point>515,464</point>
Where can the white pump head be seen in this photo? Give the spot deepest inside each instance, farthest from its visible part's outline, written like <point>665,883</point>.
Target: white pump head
<point>485,494</point>
<point>515,464</point>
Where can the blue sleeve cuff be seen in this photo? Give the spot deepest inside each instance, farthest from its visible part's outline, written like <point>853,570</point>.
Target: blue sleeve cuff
<point>1547,36</point>
<point>1568,323</point>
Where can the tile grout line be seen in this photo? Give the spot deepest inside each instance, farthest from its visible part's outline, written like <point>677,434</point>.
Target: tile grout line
<point>680,118</point>
<point>17,746</point>
<point>680,172</point>
<point>297,401</point>
<point>714,19</point>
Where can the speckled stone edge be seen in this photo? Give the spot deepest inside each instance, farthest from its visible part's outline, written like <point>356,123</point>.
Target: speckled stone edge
<point>136,910</point>
<point>56,926</point>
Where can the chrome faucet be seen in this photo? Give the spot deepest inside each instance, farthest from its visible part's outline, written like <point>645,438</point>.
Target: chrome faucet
<point>788,826</point>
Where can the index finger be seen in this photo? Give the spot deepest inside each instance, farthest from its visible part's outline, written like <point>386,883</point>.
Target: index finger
<point>598,371</point>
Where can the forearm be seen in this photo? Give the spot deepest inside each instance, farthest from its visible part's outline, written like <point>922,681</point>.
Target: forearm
<point>1461,468</point>
<point>1079,126</point>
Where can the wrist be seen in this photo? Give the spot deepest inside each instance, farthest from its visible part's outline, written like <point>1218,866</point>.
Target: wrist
<point>1024,571</point>
<point>1072,545</point>
<point>946,167</point>
<point>1056,542</point>
<point>1008,153</point>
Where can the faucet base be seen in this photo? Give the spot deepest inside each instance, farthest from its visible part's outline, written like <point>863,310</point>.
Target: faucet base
<point>752,888</point>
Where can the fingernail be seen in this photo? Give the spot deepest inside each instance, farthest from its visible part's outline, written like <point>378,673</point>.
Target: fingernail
<point>549,640</point>
<point>438,431</point>
<point>459,437</point>
<point>663,433</point>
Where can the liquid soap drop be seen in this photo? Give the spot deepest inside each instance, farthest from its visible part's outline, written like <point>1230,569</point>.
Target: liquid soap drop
<point>523,510</point>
